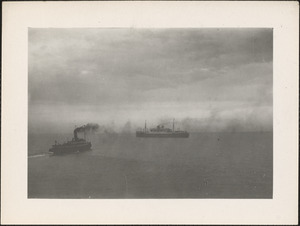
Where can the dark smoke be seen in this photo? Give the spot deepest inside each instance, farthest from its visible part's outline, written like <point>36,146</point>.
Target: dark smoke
<point>90,127</point>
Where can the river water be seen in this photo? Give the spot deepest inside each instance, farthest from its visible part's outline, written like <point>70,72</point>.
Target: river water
<point>205,165</point>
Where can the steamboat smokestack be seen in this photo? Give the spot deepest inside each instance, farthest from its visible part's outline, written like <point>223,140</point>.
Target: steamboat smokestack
<point>173,124</point>
<point>75,133</point>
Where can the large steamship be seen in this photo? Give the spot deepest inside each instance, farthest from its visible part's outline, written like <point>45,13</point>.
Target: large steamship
<point>75,145</point>
<point>161,132</point>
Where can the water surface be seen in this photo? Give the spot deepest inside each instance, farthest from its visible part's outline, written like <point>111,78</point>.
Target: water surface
<point>205,165</point>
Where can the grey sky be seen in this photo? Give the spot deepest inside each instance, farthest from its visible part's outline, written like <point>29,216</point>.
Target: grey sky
<point>104,75</point>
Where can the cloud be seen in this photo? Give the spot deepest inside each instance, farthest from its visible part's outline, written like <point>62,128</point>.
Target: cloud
<point>96,69</point>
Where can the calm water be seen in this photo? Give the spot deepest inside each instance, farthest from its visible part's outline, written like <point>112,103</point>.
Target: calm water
<point>206,165</point>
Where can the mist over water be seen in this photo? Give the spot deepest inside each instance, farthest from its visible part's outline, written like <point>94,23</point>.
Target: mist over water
<point>215,121</point>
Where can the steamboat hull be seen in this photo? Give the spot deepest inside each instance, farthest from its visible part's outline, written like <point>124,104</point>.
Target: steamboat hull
<point>162,135</point>
<point>66,149</point>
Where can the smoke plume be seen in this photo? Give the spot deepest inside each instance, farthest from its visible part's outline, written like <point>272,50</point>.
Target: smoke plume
<point>90,127</point>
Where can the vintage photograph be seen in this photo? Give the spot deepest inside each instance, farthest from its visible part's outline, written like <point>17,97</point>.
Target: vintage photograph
<point>150,113</point>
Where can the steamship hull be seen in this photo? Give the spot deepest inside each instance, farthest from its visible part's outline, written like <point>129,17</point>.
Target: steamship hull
<point>162,135</point>
<point>70,148</point>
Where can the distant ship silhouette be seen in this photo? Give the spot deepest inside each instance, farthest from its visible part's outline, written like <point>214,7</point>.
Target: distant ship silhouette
<point>161,132</point>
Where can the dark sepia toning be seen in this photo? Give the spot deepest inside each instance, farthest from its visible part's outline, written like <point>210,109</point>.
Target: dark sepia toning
<point>150,113</point>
